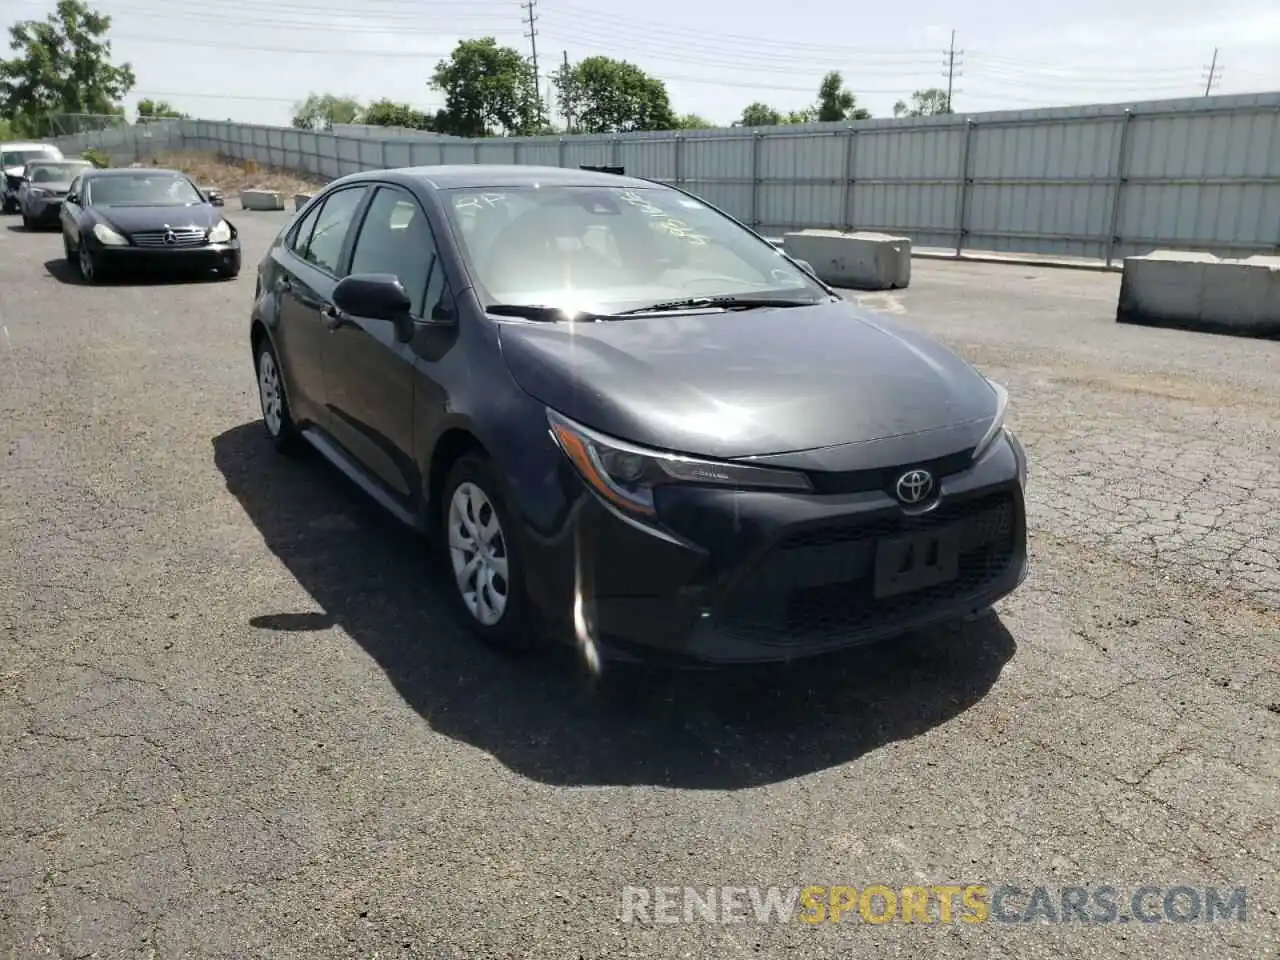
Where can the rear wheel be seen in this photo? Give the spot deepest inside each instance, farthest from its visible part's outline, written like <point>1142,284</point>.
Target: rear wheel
<point>275,406</point>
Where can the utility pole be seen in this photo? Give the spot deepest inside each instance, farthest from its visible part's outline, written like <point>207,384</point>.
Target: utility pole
<point>567,105</point>
<point>533,45</point>
<point>951,65</point>
<point>1213,73</point>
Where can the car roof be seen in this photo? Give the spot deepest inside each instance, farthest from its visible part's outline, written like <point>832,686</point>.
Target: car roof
<point>480,176</point>
<point>28,145</point>
<point>122,171</point>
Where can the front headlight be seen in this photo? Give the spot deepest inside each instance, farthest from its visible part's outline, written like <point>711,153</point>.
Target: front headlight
<point>625,475</point>
<point>997,422</point>
<point>108,237</point>
<point>220,233</point>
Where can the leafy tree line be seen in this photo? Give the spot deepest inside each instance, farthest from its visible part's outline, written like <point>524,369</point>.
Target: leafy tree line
<point>62,79</point>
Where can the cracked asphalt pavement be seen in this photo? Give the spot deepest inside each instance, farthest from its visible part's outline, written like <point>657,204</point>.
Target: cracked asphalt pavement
<point>236,721</point>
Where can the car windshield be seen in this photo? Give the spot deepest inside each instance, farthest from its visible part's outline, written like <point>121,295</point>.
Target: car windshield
<point>54,172</point>
<point>16,158</point>
<point>141,189</point>
<point>611,249</point>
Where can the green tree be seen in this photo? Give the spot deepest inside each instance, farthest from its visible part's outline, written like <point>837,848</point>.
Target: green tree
<point>604,95</point>
<point>320,111</point>
<point>807,115</point>
<point>63,66</point>
<point>157,110</point>
<point>760,115</point>
<point>837,103</point>
<point>386,113</point>
<point>691,121</point>
<point>924,103</point>
<point>487,89</point>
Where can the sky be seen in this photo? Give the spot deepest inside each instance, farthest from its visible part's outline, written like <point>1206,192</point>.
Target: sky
<point>250,61</point>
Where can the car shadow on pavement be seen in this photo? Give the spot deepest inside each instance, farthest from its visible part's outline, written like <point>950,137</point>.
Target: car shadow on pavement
<point>63,272</point>
<point>541,715</point>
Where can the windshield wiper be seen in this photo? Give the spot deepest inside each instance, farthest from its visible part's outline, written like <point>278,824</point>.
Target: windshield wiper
<point>542,311</point>
<point>721,303</point>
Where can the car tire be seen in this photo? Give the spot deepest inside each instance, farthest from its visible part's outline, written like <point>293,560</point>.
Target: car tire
<point>228,273</point>
<point>28,223</point>
<point>276,417</point>
<point>481,556</point>
<point>89,265</point>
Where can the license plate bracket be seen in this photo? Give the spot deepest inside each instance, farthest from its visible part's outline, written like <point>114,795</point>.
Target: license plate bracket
<point>916,561</point>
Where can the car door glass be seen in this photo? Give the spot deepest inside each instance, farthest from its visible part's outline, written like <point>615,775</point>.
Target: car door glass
<point>396,239</point>
<point>324,249</point>
<point>301,234</point>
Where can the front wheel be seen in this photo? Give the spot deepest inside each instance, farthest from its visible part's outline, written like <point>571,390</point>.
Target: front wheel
<point>228,273</point>
<point>28,223</point>
<point>90,265</point>
<point>482,556</point>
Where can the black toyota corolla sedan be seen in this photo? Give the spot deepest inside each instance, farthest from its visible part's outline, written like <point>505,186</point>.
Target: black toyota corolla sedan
<point>629,422</point>
<point>144,217</point>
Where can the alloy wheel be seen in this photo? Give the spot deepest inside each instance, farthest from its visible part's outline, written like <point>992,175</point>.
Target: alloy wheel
<point>86,264</point>
<point>478,553</point>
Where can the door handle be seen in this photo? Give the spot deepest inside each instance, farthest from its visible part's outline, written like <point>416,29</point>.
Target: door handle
<point>334,318</point>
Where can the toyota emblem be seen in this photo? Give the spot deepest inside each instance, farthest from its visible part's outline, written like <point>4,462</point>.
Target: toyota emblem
<point>914,486</point>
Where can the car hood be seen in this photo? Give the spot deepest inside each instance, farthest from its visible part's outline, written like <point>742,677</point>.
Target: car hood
<point>130,219</point>
<point>752,383</point>
<point>13,171</point>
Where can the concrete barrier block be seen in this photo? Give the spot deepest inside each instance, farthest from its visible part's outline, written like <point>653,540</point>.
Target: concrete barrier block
<point>864,261</point>
<point>1198,291</point>
<point>300,200</point>
<point>261,200</point>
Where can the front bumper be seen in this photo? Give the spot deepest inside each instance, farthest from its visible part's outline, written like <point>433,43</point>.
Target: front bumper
<point>43,212</point>
<point>765,576</point>
<point>214,256</point>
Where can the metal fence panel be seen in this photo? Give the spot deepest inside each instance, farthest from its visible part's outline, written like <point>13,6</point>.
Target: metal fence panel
<point>1101,180</point>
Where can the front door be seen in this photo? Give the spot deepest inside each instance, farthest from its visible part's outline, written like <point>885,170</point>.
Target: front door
<point>369,372</point>
<point>305,275</point>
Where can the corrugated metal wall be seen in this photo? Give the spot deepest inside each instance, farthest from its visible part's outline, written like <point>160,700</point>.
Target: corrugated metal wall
<point>1101,181</point>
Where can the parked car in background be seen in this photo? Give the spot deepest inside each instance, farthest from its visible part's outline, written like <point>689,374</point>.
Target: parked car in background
<point>15,156</point>
<point>622,413</point>
<point>146,218</point>
<point>44,185</point>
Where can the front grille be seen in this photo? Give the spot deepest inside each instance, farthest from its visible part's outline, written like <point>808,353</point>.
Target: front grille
<point>819,586</point>
<point>182,237</point>
<point>885,479</point>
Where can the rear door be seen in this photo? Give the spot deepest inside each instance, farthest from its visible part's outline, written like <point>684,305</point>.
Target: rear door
<point>307,271</point>
<point>369,372</point>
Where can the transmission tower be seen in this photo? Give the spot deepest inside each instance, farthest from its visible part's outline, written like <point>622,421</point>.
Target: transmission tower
<point>533,47</point>
<point>950,67</point>
<point>1214,73</point>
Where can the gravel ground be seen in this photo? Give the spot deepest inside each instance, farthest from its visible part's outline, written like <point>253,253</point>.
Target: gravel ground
<point>235,721</point>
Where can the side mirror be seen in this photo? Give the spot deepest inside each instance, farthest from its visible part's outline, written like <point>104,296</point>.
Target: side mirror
<point>378,296</point>
<point>70,198</point>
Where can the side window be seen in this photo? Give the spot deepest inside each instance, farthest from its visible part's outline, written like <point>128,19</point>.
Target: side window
<point>395,238</point>
<point>324,249</point>
<point>301,234</point>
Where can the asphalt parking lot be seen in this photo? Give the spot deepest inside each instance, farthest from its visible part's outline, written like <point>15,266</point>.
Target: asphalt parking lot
<point>236,722</point>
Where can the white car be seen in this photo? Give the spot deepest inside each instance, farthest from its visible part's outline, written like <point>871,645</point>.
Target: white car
<point>13,158</point>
